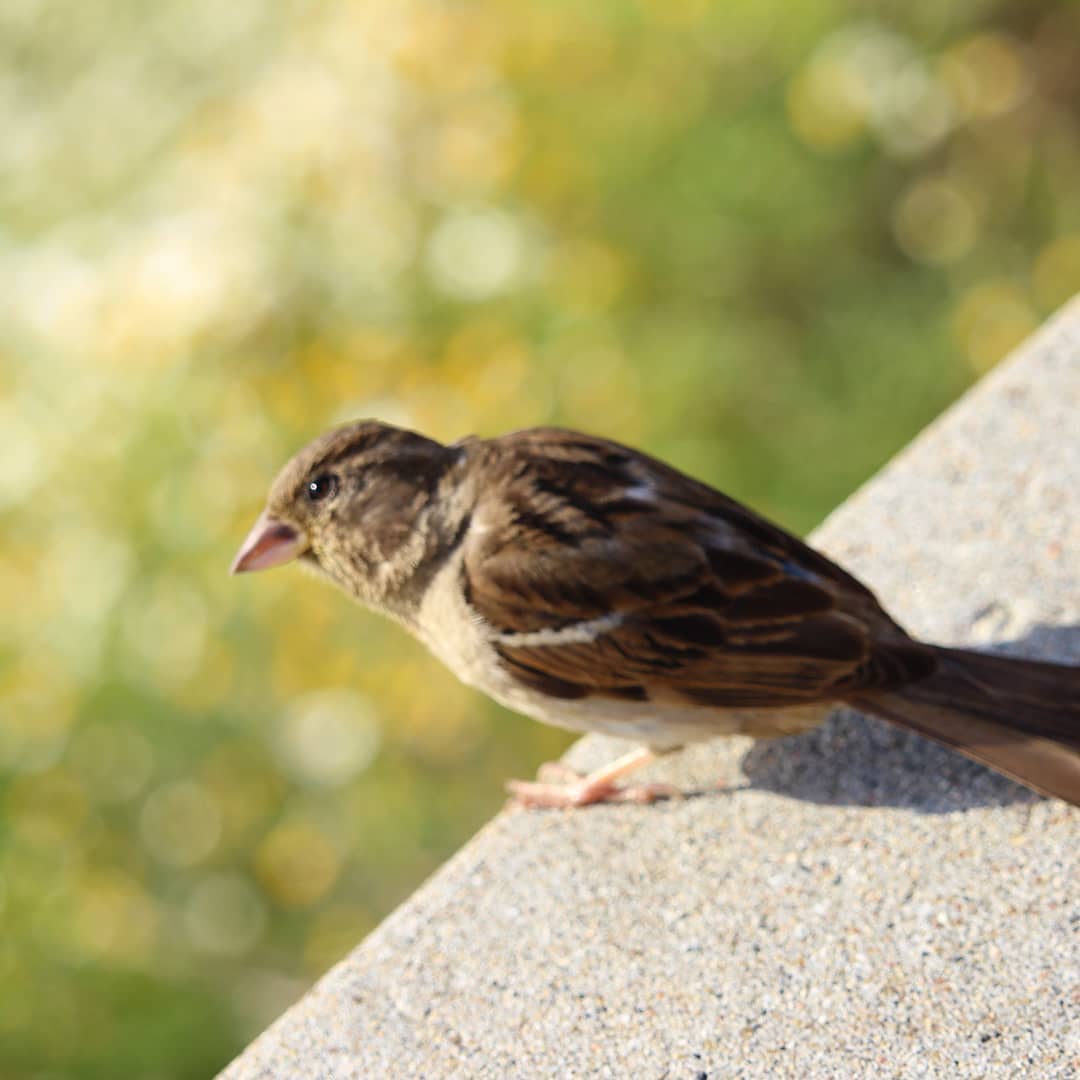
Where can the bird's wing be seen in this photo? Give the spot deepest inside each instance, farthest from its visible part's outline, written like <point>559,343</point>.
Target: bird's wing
<point>604,572</point>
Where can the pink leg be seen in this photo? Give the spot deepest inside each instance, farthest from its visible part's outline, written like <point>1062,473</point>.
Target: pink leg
<point>597,786</point>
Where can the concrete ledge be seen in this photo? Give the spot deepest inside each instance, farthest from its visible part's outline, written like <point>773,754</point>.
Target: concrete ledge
<point>859,902</point>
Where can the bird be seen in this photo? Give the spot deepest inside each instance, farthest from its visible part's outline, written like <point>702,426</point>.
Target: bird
<point>588,585</point>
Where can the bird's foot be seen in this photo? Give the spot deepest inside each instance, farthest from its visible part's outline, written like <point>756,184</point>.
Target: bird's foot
<point>559,786</point>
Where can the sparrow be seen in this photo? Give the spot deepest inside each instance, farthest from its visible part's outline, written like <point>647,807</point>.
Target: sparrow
<point>588,585</point>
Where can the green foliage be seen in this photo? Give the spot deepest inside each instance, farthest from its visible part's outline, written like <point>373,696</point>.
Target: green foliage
<point>766,241</point>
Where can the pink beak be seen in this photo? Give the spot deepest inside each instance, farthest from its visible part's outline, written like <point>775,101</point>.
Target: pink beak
<point>270,543</point>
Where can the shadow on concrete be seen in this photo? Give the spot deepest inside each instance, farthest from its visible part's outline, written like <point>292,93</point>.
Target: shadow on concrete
<point>857,760</point>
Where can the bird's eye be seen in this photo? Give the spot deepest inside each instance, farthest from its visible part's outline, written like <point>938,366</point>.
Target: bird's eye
<point>322,487</point>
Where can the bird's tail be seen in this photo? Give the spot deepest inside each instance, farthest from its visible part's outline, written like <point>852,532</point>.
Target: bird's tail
<point>1020,717</point>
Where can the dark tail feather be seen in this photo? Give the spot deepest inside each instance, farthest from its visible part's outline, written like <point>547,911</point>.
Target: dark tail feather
<point>1020,717</point>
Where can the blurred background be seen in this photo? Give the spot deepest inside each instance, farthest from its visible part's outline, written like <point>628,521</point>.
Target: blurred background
<point>766,240</point>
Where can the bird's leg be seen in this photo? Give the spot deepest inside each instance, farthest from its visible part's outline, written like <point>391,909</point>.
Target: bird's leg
<point>597,786</point>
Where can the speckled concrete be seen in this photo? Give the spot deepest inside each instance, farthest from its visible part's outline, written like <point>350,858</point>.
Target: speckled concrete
<point>857,903</point>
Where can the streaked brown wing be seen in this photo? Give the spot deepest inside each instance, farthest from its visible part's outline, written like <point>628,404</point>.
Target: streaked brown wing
<point>713,604</point>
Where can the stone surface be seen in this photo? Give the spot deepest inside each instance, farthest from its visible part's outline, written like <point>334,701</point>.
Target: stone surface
<point>857,901</point>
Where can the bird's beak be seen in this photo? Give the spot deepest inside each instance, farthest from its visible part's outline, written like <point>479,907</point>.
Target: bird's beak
<point>270,543</point>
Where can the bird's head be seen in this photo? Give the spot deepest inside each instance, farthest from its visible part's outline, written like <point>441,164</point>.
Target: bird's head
<point>356,505</point>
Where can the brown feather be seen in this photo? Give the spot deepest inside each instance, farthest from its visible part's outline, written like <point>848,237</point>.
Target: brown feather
<point>1021,717</point>
<point>718,606</point>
